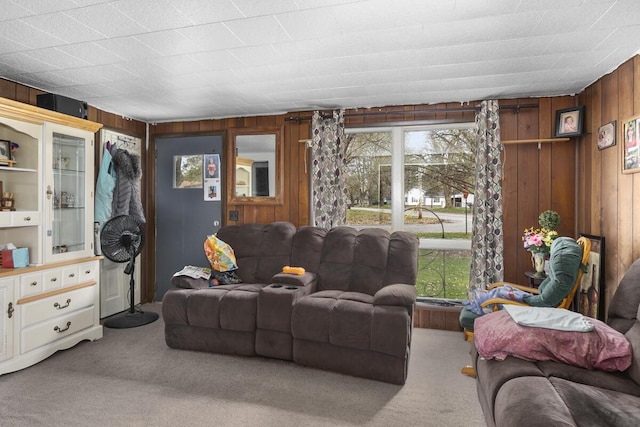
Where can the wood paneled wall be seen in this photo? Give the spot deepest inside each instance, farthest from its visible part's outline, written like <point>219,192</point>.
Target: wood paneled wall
<point>585,185</point>
<point>536,177</point>
<point>610,200</point>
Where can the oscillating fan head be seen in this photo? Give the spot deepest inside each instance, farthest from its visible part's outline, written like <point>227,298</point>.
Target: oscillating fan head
<point>122,238</point>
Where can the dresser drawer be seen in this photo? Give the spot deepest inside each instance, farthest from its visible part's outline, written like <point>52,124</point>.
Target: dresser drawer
<point>88,271</point>
<point>52,330</point>
<point>31,284</point>
<point>52,280</point>
<point>57,305</point>
<point>21,219</point>
<point>70,275</point>
<point>5,219</point>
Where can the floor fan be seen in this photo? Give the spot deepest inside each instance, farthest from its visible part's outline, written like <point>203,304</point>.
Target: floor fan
<point>121,240</point>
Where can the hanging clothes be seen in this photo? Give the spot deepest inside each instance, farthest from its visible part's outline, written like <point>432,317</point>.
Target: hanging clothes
<point>104,188</point>
<point>126,194</point>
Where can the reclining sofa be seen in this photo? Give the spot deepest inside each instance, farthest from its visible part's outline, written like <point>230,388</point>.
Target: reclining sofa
<point>350,312</point>
<point>517,392</point>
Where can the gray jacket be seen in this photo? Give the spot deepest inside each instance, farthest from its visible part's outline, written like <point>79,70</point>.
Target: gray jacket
<point>126,194</point>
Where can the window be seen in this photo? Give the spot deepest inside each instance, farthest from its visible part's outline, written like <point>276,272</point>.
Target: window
<point>187,171</point>
<point>413,179</point>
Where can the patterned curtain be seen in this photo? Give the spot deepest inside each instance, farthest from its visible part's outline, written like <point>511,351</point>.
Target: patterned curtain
<point>487,238</point>
<point>328,184</point>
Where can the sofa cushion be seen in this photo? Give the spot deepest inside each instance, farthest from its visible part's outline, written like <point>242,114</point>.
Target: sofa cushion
<point>336,262</point>
<point>402,262</point>
<point>261,250</point>
<point>497,336</point>
<point>349,319</point>
<point>397,294</point>
<point>624,306</point>
<point>370,256</point>
<point>230,307</point>
<point>307,246</point>
<point>364,261</point>
<point>633,335</point>
<point>617,381</point>
<point>593,406</point>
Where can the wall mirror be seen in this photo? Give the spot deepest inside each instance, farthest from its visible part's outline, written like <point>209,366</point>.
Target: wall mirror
<point>256,170</point>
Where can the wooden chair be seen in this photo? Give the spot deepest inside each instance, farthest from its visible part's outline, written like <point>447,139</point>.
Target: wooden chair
<point>584,243</point>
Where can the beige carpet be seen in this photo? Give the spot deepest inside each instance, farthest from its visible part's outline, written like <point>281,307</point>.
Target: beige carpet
<point>131,378</point>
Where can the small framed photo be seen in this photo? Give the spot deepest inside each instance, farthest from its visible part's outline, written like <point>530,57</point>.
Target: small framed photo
<point>607,135</point>
<point>5,149</point>
<point>630,152</point>
<point>569,121</point>
<point>589,298</point>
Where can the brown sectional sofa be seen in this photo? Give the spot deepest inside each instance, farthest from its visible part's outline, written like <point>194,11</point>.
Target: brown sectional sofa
<point>515,392</point>
<point>351,312</point>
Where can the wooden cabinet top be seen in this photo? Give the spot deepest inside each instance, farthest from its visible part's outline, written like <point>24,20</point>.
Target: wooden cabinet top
<point>32,114</point>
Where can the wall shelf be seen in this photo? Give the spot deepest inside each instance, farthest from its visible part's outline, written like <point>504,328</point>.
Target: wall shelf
<point>538,140</point>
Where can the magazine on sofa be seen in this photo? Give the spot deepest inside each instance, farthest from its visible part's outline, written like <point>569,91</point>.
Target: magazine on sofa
<point>195,272</point>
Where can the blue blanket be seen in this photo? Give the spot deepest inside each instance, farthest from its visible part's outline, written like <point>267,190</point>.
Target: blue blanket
<point>478,296</point>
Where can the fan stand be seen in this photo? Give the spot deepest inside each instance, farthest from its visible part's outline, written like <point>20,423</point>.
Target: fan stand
<point>132,318</point>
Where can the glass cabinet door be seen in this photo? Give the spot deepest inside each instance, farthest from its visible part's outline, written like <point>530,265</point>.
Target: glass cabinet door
<point>68,197</point>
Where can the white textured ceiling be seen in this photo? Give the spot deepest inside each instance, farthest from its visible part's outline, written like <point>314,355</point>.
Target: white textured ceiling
<point>162,60</point>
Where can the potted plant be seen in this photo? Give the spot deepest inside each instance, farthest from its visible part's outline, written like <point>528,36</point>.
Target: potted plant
<point>549,220</point>
<point>538,240</point>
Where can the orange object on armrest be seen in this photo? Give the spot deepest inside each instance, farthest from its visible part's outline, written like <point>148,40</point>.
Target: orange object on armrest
<point>293,270</point>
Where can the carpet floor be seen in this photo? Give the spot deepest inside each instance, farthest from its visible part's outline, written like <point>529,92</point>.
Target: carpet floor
<point>131,378</point>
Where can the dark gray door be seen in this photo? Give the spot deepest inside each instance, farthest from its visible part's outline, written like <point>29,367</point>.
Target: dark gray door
<point>183,217</point>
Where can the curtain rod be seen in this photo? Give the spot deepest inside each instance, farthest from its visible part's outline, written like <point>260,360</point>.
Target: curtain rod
<point>516,108</point>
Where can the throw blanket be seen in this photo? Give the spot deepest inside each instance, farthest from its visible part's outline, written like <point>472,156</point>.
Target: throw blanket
<point>478,296</point>
<point>549,318</point>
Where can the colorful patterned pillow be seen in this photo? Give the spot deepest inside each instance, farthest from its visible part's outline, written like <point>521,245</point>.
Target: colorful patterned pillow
<point>497,336</point>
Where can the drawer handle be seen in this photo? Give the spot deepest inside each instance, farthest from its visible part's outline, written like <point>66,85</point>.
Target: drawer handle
<point>87,272</point>
<point>34,283</point>
<point>72,275</point>
<point>59,330</point>
<point>60,307</point>
<point>27,218</point>
<point>54,279</point>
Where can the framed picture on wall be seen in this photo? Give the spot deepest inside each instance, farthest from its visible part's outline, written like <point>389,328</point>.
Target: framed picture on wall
<point>569,121</point>
<point>630,149</point>
<point>607,135</point>
<point>588,299</point>
<point>5,149</point>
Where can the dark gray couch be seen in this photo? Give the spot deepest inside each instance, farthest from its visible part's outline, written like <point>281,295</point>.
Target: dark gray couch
<point>515,392</point>
<point>351,311</point>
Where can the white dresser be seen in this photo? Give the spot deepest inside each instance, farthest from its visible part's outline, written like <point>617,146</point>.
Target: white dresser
<point>48,308</point>
<point>48,181</point>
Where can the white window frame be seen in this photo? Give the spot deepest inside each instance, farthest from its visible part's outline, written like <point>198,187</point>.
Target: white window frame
<point>397,160</point>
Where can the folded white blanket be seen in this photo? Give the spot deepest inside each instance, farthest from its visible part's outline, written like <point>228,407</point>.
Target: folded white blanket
<point>549,318</point>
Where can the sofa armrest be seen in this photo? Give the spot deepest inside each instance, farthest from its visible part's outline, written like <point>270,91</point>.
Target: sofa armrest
<point>305,279</point>
<point>396,294</point>
<point>186,282</point>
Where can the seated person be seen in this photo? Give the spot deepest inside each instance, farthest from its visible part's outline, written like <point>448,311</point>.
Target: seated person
<point>564,265</point>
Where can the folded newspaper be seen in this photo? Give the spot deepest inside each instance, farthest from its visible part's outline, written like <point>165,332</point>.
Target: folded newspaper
<point>195,272</point>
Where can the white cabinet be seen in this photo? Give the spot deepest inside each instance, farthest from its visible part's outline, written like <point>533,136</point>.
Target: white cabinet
<point>47,187</point>
<point>69,193</point>
<point>7,303</point>
<point>47,308</point>
<point>243,177</point>
<point>21,222</point>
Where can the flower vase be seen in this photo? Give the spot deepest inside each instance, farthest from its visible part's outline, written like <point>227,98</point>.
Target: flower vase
<point>537,259</point>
